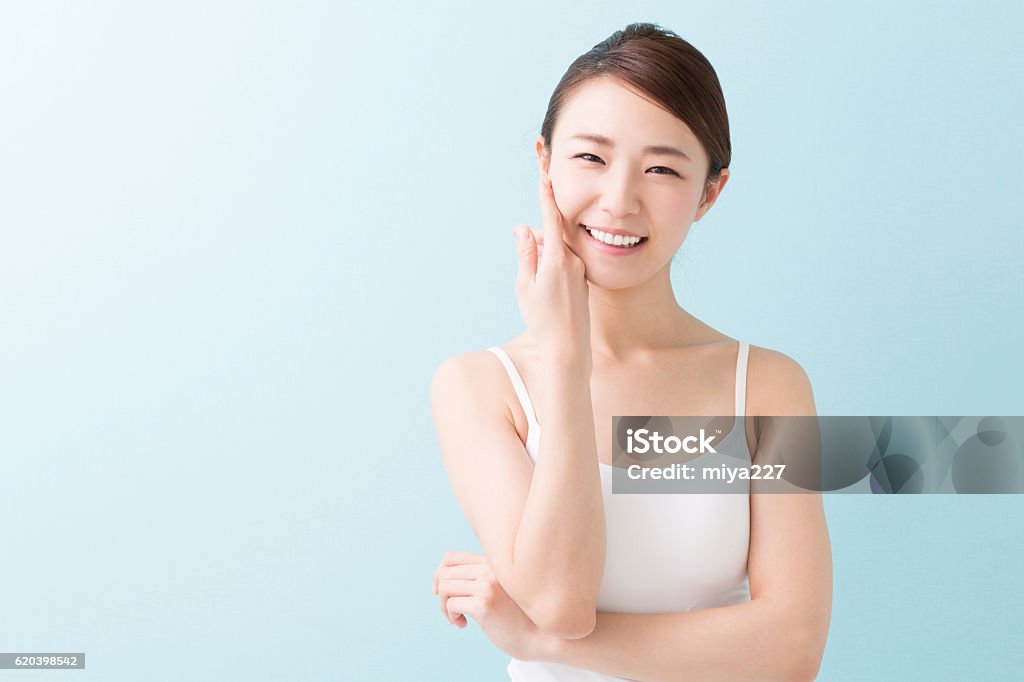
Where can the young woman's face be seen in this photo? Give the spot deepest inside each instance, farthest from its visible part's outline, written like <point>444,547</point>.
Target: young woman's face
<point>622,182</point>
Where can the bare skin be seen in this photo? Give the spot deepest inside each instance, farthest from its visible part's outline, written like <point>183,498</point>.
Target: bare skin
<point>643,354</point>
<point>695,377</point>
<point>649,355</point>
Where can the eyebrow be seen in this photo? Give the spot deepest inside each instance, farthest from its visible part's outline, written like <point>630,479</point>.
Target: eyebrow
<point>661,149</point>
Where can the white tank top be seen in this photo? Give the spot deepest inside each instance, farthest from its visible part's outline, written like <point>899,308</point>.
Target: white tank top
<point>664,553</point>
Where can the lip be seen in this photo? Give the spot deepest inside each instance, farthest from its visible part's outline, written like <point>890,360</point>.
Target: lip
<point>608,248</point>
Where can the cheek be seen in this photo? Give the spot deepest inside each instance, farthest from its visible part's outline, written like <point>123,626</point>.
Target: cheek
<point>677,207</point>
<point>570,198</point>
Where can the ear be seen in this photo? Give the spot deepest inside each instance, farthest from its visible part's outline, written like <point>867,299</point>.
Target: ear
<point>711,193</point>
<point>543,159</point>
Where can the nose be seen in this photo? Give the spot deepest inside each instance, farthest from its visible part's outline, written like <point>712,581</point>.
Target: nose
<point>620,195</point>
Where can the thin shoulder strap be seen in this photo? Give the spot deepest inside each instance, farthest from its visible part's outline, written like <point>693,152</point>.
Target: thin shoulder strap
<point>517,383</point>
<point>741,377</point>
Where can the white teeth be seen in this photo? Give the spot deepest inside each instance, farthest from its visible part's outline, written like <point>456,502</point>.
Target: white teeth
<point>613,239</point>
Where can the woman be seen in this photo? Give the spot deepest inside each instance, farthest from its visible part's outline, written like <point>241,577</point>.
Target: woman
<point>576,583</point>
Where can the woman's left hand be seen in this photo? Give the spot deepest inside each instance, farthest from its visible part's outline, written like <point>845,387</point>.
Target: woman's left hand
<point>466,586</point>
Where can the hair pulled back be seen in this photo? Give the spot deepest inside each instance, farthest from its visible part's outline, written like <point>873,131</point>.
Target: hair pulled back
<point>660,66</point>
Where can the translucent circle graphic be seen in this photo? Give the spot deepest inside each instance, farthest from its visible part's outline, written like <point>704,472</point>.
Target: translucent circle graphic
<point>897,473</point>
<point>989,462</point>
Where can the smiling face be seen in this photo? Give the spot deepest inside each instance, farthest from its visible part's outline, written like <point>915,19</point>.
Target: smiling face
<point>621,163</point>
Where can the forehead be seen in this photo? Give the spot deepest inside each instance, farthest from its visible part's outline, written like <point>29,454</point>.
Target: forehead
<point>605,107</point>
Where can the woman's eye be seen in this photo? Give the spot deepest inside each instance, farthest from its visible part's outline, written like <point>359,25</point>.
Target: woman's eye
<point>664,168</point>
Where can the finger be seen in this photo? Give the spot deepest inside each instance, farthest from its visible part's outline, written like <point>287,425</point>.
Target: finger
<point>538,236</point>
<point>453,619</point>
<point>451,589</point>
<point>465,580</point>
<point>552,223</point>
<point>463,558</point>
<point>528,252</point>
<point>463,572</point>
<point>453,558</point>
<point>459,606</point>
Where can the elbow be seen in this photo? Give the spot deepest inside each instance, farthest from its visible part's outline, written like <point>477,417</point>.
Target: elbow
<point>805,658</point>
<point>567,621</point>
<point>807,673</point>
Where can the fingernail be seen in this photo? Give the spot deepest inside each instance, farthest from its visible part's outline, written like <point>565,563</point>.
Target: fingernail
<point>519,235</point>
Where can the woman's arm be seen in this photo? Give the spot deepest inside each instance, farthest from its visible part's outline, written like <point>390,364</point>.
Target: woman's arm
<point>561,536</point>
<point>749,641</point>
<point>779,634</point>
<point>542,528</point>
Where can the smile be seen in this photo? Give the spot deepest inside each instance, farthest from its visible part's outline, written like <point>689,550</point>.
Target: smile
<point>609,243</point>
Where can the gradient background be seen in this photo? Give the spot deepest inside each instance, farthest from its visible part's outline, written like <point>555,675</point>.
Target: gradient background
<point>237,238</point>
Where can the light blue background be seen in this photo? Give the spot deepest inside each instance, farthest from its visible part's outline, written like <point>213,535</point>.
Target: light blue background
<point>237,238</point>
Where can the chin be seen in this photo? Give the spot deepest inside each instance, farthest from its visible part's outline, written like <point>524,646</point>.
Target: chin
<point>612,281</point>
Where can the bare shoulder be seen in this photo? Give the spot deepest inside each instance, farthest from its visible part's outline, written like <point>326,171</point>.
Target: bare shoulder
<point>473,371</point>
<point>475,375</point>
<point>464,365</point>
<point>777,384</point>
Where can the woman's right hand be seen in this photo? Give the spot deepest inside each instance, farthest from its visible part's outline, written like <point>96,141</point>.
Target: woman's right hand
<point>552,292</point>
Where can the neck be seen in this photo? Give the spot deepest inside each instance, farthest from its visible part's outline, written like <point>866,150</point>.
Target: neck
<point>635,323</point>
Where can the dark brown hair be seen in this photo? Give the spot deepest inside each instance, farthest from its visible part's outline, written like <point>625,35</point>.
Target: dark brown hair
<point>664,68</point>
